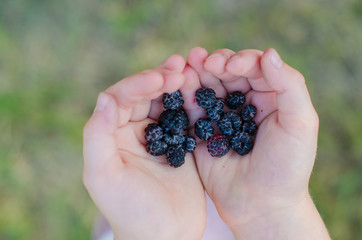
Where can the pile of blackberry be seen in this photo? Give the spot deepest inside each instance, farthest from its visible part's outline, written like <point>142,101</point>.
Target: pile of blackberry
<point>166,137</point>
<point>237,128</point>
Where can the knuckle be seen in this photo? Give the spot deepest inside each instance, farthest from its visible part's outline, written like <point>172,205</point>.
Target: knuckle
<point>314,119</point>
<point>305,123</point>
<point>302,124</point>
<point>298,77</point>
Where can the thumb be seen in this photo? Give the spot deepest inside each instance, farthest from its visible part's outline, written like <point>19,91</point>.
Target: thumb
<point>295,109</point>
<point>99,145</point>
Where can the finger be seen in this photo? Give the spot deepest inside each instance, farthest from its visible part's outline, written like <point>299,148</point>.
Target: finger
<point>295,109</point>
<point>137,88</point>
<point>188,90</point>
<point>196,59</point>
<point>259,84</point>
<point>153,107</point>
<point>245,65</point>
<point>140,89</point>
<point>99,144</point>
<point>134,90</point>
<point>265,103</point>
<point>176,64</point>
<point>215,64</point>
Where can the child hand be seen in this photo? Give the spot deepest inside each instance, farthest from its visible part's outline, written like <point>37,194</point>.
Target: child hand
<point>141,196</point>
<point>264,193</point>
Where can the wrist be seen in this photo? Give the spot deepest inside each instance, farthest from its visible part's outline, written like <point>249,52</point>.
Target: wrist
<point>182,234</point>
<point>299,221</point>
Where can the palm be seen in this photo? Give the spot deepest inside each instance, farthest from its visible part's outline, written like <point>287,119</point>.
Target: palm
<point>147,188</point>
<point>248,185</point>
<point>135,190</point>
<point>238,183</point>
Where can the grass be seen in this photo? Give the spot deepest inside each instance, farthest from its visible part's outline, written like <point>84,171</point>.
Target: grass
<point>56,56</point>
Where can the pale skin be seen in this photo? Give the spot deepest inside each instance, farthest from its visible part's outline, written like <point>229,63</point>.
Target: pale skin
<point>263,195</point>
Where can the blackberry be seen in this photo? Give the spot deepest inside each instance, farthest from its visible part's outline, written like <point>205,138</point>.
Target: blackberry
<point>156,148</point>
<point>235,100</point>
<point>189,144</point>
<point>203,129</point>
<point>219,104</point>
<point>175,156</point>
<point>213,114</point>
<point>248,112</point>
<point>172,100</point>
<point>174,121</point>
<point>229,123</point>
<point>246,149</point>
<point>205,97</point>
<point>172,139</point>
<point>249,127</point>
<point>241,142</point>
<point>216,111</point>
<point>218,146</point>
<point>153,132</point>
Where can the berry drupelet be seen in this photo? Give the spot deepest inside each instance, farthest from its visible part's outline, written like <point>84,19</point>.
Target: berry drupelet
<point>235,100</point>
<point>219,104</point>
<point>203,129</point>
<point>153,132</point>
<point>248,113</point>
<point>172,100</point>
<point>189,144</point>
<point>175,156</point>
<point>171,139</point>
<point>205,97</point>
<point>156,148</point>
<point>213,114</point>
<point>174,121</point>
<point>218,146</point>
<point>229,123</point>
<point>241,142</point>
<point>249,127</point>
<point>216,111</point>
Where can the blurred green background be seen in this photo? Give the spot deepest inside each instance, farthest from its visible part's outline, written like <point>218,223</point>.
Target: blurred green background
<point>56,56</point>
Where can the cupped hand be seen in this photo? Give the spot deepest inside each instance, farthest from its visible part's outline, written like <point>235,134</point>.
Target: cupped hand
<point>275,174</point>
<point>141,196</point>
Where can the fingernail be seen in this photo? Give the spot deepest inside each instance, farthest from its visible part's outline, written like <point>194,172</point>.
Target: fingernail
<point>275,59</point>
<point>234,61</point>
<point>101,102</point>
<point>214,55</point>
<point>234,58</point>
<point>146,71</point>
